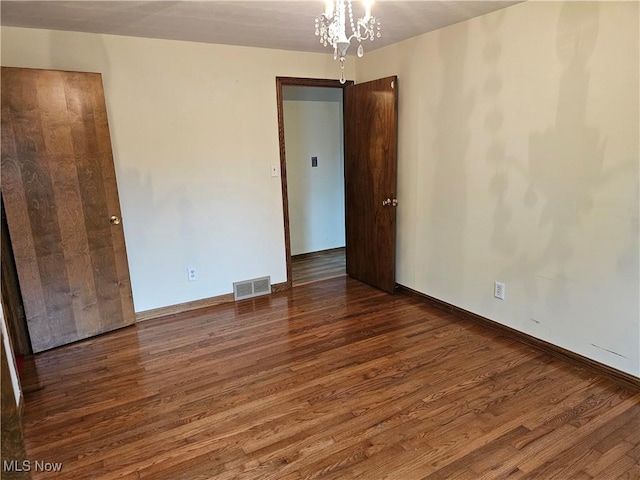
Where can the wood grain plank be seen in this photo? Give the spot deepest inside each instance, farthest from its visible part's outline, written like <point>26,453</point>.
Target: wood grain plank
<point>632,472</point>
<point>321,265</point>
<point>330,380</point>
<point>35,170</point>
<point>588,452</point>
<point>61,165</point>
<point>51,102</point>
<point>95,211</point>
<point>113,203</point>
<point>76,249</point>
<point>58,206</point>
<point>20,137</point>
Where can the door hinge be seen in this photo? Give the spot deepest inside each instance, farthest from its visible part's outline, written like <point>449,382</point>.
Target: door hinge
<point>393,84</point>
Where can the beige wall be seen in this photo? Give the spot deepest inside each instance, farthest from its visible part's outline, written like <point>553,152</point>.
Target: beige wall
<point>518,162</point>
<point>194,131</point>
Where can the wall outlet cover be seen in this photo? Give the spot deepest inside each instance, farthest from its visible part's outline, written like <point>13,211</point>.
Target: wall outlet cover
<point>192,274</point>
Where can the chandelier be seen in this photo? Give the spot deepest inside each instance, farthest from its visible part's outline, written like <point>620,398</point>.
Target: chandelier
<point>331,27</point>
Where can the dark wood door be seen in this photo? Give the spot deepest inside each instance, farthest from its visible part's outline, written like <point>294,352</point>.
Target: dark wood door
<point>59,190</point>
<point>371,137</point>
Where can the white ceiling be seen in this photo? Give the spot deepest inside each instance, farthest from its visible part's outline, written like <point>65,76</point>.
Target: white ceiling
<point>287,25</point>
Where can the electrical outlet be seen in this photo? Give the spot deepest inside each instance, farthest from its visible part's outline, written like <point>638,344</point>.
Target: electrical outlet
<point>192,274</point>
<point>498,290</point>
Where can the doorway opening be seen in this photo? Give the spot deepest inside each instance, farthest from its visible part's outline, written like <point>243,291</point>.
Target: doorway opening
<point>310,122</point>
<point>370,117</point>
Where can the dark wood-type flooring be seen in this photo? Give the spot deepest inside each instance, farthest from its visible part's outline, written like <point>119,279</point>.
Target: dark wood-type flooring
<point>311,267</point>
<point>331,380</point>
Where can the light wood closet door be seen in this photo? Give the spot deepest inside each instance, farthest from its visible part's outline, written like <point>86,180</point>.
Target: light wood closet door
<point>61,201</point>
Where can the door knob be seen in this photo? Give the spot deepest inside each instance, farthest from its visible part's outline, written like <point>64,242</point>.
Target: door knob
<point>115,220</point>
<point>394,202</point>
<point>386,203</point>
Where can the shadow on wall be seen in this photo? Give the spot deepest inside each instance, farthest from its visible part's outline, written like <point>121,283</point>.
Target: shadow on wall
<point>565,171</point>
<point>501,239</point>
<point>445,239</point>
<point>565,161</point>
<point>138,191</point>
<point>565,166</point>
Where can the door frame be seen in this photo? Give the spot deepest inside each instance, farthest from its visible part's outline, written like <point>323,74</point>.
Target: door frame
<point>296,82</point>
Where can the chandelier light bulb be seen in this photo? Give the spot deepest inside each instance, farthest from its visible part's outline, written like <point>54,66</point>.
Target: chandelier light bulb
<point>367,10</point>
<point>331,27</point>
<point>328,8</point>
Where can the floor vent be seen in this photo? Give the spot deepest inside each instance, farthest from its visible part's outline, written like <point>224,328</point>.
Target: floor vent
<point>251,288</point>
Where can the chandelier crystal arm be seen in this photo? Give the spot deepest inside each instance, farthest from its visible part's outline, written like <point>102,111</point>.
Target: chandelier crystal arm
<point>331,27</point>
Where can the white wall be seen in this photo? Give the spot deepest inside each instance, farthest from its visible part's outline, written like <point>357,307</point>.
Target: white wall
<point>519,162</point>
<point>194,131</point>
<point>313,127</point>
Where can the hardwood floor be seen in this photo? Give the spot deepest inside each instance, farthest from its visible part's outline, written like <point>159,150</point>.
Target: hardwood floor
<point>311,267</point>
<point>330,380</point>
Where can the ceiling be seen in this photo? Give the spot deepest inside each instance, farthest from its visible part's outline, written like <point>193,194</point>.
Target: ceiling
<point>287,25</point>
